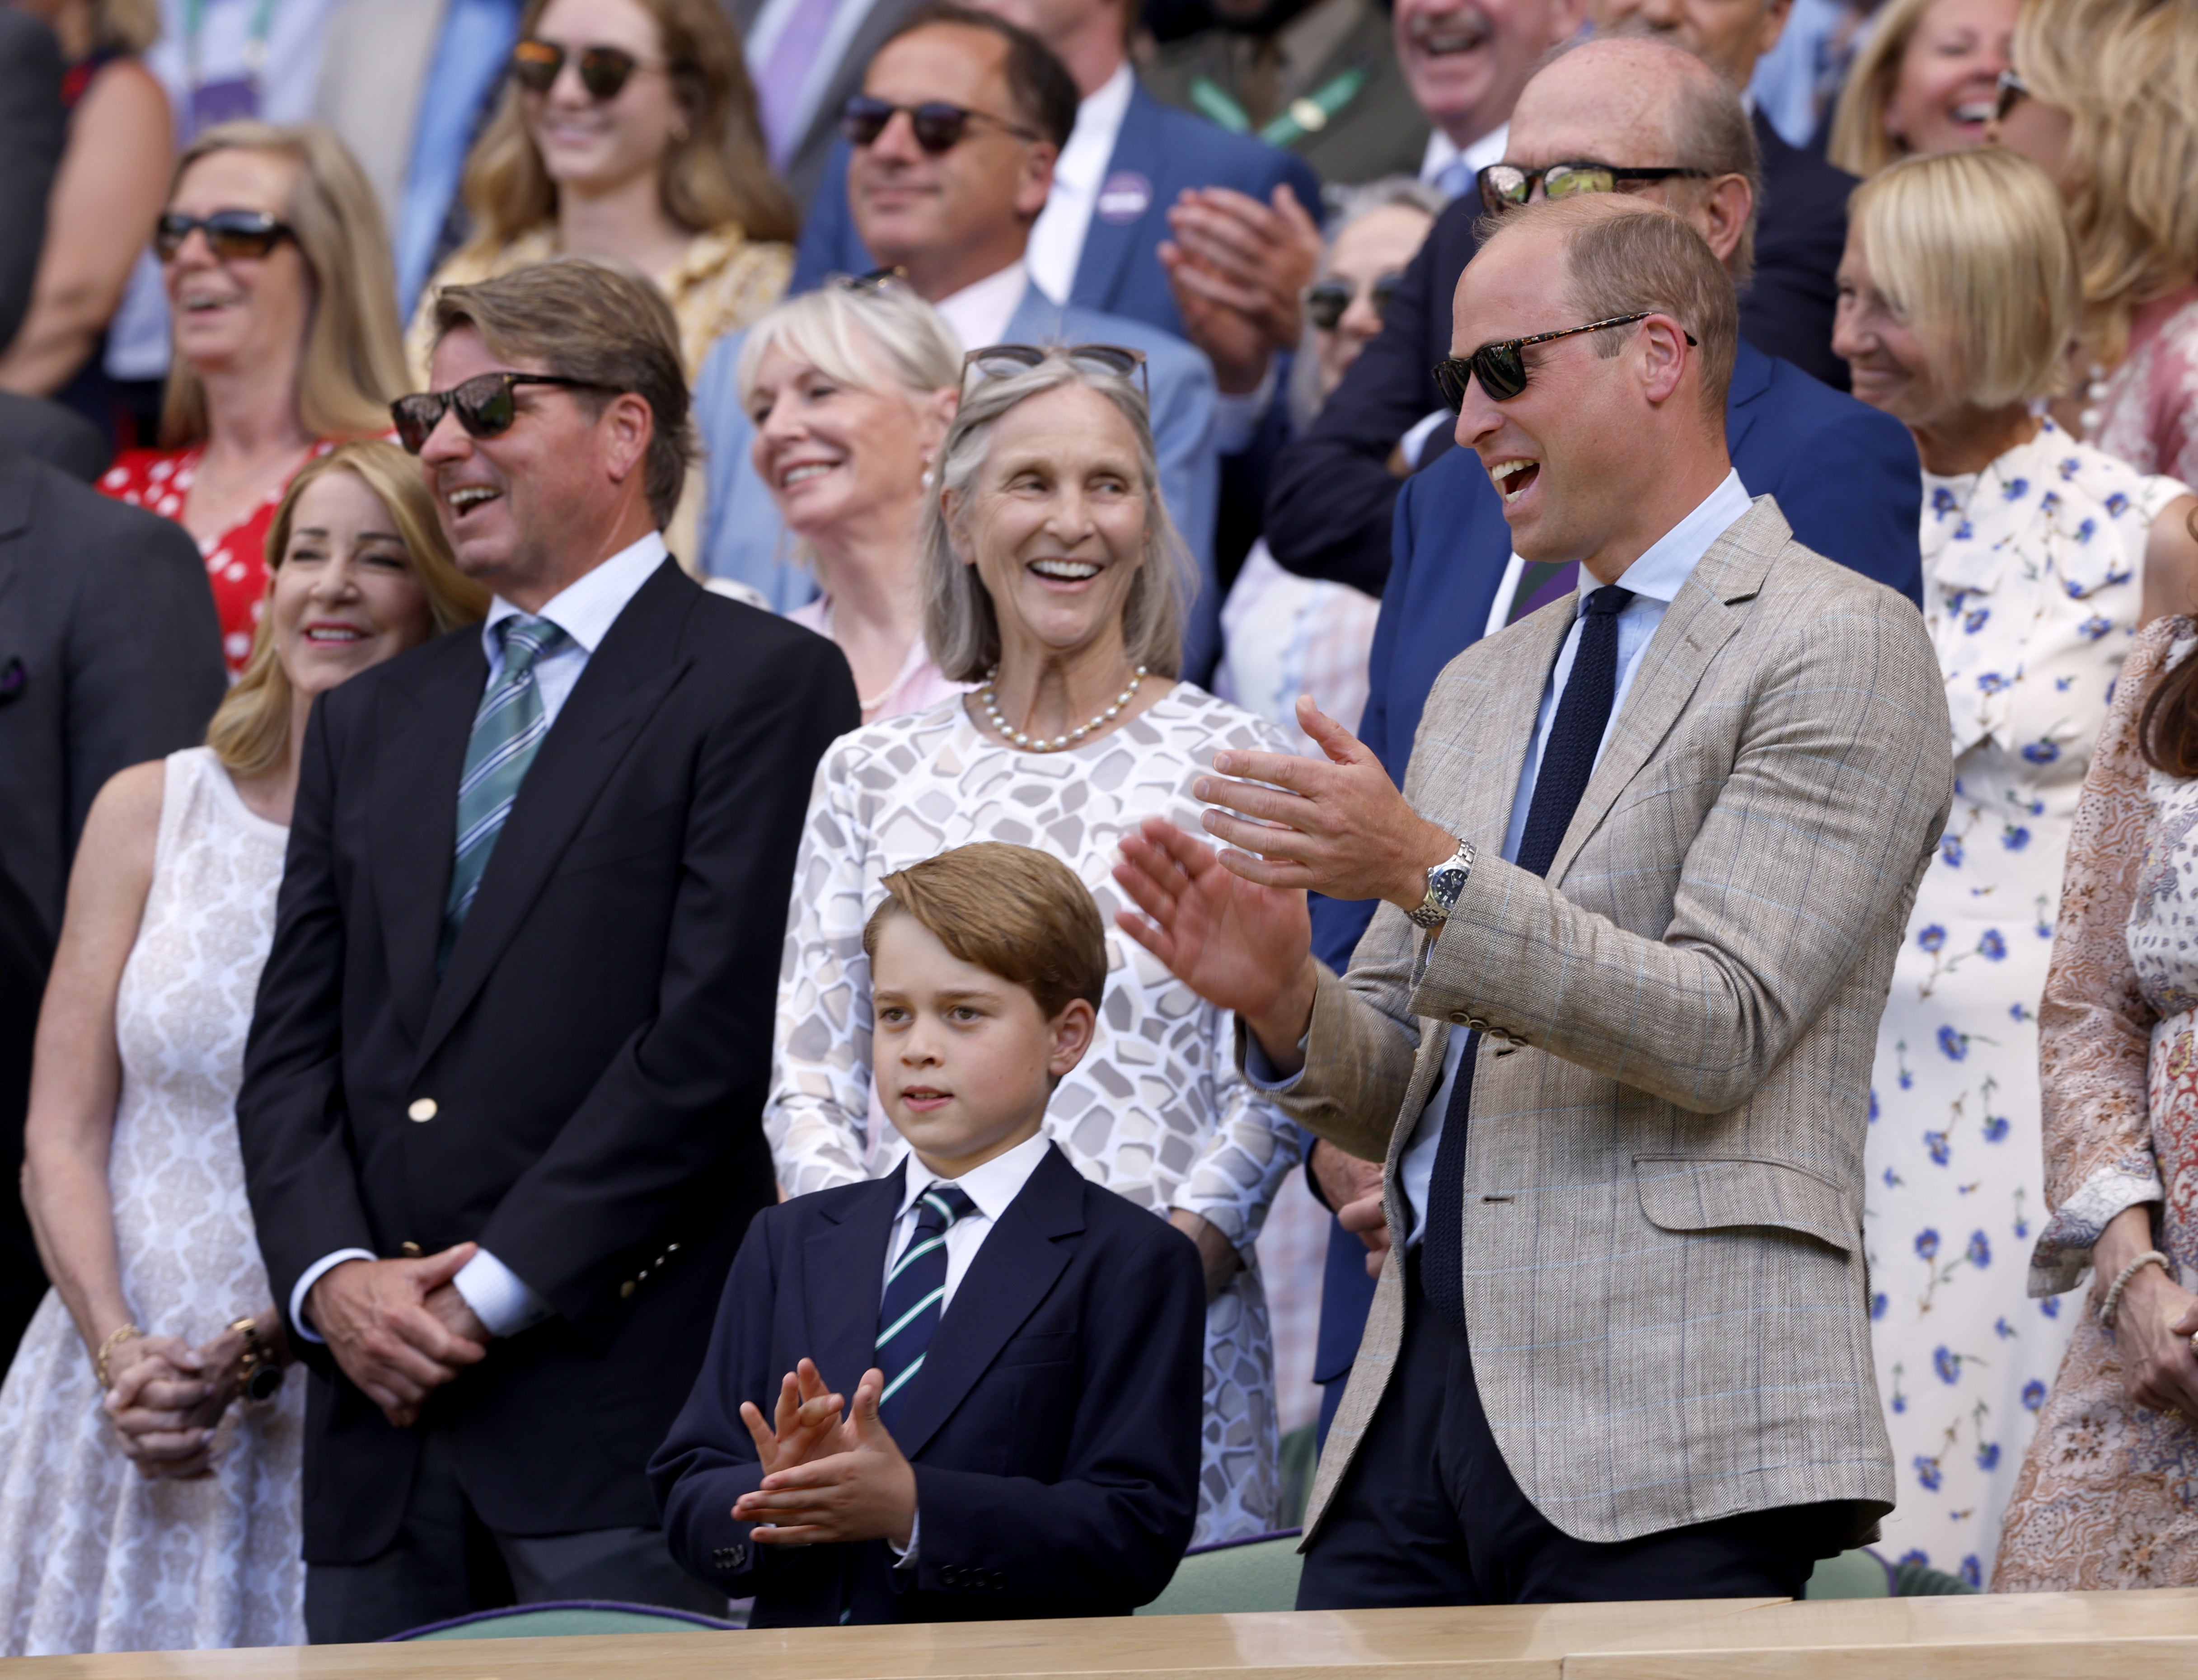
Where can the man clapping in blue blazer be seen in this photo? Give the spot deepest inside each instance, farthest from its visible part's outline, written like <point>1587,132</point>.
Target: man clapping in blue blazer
<point>1024,1438</point>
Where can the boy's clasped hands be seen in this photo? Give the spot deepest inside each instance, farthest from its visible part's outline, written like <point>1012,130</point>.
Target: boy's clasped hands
<point>825,1479</point>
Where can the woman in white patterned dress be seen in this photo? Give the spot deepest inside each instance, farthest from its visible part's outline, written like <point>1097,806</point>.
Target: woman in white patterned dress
<point>1053,575</point>
<point>166,1514</point>
<point>2041,556</point>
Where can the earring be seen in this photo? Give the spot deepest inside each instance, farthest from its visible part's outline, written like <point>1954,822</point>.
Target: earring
<point>678,134</point>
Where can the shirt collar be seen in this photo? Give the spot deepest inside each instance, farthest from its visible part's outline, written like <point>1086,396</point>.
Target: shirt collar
<point>992,1186</point>
<point>585,608</point>
<point>1671,560</point>
<point>980,312</point>
<point>1442,151</point>
<point>1099,118</point>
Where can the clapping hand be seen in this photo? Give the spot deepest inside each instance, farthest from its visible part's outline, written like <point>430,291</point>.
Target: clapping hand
<point>1239,269</point>
<point>808,1418</point>
<point>861,1488</point>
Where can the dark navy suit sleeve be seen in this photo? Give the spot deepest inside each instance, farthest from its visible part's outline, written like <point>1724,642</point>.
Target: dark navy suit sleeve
<point>1109,1529</point>
<point>1855,495</point>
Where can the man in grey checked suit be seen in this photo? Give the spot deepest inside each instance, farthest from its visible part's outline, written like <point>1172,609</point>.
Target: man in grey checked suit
<point>1659,842</point>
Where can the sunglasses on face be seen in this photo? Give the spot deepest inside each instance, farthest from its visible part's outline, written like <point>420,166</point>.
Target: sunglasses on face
<point>230,234</point>
<point>2009,92</point>
<point>1004,361</point>
<point>1501,367</point>
<point>1504,185</point>
<point>604,71</point>
<point>938,126</point>
<point>484,405</point>
<point>1328,302</point>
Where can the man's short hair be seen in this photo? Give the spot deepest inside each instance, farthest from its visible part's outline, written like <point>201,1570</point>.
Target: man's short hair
<point>1008,909</point>
<point>1625,256</point>
<point>1043,92</point>
<point>583,319</point>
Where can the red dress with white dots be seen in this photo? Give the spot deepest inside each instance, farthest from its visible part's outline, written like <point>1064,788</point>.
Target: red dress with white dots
<point>158,480</point>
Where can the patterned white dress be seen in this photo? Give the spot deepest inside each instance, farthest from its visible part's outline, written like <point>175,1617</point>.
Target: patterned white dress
<point>2032,576</point>
<point>93,1557</point>
<point>1156,1112</point>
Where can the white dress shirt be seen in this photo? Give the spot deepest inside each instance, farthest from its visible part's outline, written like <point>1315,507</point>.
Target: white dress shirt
<point>1057,241</point>
<point>1655,579</point>
<point>1442,153</point>
<point>980,312</point>
<point>584,610</point>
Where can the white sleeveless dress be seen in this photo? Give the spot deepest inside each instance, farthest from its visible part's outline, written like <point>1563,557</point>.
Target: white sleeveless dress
<point>93,1557</point>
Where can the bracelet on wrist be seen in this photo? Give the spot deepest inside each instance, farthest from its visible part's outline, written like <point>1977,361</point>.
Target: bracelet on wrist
<point>127,1333</point>
<point>2111,1304</point>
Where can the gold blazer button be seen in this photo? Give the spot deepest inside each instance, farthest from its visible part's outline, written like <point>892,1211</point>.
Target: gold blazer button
<point>424,1109</point>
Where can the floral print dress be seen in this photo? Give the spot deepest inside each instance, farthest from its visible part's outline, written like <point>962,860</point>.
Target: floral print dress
<point>2033,578</point>
<point>2108,1492</point>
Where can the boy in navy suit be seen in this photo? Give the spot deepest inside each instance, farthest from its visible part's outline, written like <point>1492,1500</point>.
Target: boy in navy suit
<point>1024,1438</point>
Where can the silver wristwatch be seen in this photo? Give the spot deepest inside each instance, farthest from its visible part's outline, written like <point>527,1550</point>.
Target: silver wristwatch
<point>1444,882</point>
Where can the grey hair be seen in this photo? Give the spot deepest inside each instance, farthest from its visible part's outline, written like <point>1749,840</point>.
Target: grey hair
<point>961,626</point>
<point>830,328</point>
<point>1351,203</point>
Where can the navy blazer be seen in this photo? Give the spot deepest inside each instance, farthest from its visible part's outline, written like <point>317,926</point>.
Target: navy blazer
<point>1161,151</point>
<point>1053,1428</point>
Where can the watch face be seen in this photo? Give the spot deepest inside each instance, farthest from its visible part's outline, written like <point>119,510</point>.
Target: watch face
<point>1446,881</point>
<point>263,1382</point>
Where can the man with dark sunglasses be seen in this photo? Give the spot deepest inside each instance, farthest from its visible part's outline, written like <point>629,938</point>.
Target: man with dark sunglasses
<point>1611,1030</point>
<point>965,116</point>
<point>501,1109</point>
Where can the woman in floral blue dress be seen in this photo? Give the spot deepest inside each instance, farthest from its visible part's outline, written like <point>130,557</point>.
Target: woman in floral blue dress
<point>2041,556</point>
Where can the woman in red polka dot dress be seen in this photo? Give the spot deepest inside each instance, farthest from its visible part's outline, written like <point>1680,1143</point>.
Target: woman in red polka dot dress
<point>284,317</point>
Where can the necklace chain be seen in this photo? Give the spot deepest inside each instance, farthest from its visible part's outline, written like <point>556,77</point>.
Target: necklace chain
<point>990,701</point>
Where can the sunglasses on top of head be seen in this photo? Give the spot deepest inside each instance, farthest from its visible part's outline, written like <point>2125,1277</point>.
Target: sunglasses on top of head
<point>604,71</point>
<point>2010,91</point>
<point>938,125</point>
<point>1504,186</point>
<point>230,234</point>
<point>1005,361</point>
<point>1501,367</point>
<point>484,405</point>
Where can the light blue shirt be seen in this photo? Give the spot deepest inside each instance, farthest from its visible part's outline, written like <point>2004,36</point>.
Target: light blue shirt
<point>1655,579</point>
<point>584,610</point>
<point>469,56</point>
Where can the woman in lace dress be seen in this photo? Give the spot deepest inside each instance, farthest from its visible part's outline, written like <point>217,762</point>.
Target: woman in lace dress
<point>2040,557</point>
<point>2108,1493</point>
<point>166,1514</point>
<point>2108,105</point>
<point>1053,576</point>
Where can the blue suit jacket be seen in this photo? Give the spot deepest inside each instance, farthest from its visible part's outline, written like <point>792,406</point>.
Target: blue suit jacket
<point>742,537</point>
<point>1848,481</point>
<point>1054,1427</point>
<point>1165,148</point>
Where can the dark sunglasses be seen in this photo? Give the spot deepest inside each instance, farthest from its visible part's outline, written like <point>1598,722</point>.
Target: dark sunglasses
<point>230,234</point>
<point>1504,185</point>
<point>938,125</point>
<point>484,405</point>
<point>1327,302</point>
<point>604,71</point>
<point>1501,367</point>
<point>1004,361</point>
<point>876,281</point>
<point>2010,91</point>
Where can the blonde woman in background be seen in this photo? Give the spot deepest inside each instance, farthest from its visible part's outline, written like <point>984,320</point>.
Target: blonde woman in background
<point>852,388</point>
<point>1925,81</point>
<point>166,1514</point>
<point>2041,556</point>
<point>2103,96</point>
<point>281,305</point>
<point>114,174</point>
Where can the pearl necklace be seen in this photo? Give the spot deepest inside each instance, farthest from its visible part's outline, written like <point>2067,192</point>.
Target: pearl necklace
<point>992,705</point>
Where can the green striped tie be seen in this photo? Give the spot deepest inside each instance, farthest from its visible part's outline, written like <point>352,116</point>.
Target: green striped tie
<point>508,730</point>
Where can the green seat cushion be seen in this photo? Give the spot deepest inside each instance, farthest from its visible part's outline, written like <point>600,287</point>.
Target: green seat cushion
<point>1259,1574</point>
<point>1860,1573</point>
<point>554,1621</point>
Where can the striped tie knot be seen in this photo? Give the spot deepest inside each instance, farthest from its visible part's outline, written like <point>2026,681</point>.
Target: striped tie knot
<point>525,639</point>
<point>916,1293</point>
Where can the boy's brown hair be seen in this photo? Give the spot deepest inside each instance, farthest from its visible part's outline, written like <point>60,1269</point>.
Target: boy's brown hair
<point>1010,910</point>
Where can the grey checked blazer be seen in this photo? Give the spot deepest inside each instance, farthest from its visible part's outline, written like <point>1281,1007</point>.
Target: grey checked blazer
<point>1664,1280</point>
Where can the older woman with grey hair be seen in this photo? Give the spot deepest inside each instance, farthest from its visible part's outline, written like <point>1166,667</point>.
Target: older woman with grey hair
<point>1053,579</point>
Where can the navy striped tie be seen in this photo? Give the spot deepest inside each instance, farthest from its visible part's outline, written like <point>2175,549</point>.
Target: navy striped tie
<point>508,730</point>
<point>916,1295</point>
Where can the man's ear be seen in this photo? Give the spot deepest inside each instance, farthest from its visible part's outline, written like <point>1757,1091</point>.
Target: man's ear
<point>1071,1033</point>
<point>627,426</point>
<point>1725,205</point>
<point>1035,184</point>
<point>1663,355</point>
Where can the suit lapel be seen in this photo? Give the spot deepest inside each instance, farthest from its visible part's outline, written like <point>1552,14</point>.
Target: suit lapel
<point>626,677</point>
<point>844,1271</point>
<point>426,716</point>
<point>1108,244</point>
<point>1510,669</point>
<point>1698,623</point>
<point>1013,1272</point>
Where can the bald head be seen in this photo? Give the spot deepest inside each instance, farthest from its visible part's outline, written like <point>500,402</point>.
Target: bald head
<point>1646,104</point>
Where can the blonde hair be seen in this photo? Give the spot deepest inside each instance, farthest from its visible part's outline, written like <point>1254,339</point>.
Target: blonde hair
<point>843,332</point>
<point>125,25</point>
<point>251,731</point>
<point>1011,911</point>
<point>961,626</point>
<point>2126,73</point>
<point>718,174</point>
<point>1859,143</point>
<point>354,361</point>
<point>1972,250</point>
